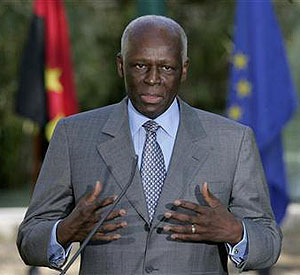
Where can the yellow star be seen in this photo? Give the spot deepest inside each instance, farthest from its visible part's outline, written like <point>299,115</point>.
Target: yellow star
<point>51,126</point>
<point>52,81</point>
<point>235,112</point>
<point>240,60</point>
<point>244,88</point>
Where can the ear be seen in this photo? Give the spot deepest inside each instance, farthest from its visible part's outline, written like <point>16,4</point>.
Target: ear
<point>119,61</point>
<point>185,70</point>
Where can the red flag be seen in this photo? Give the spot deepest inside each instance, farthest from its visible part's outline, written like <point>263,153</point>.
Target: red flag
<point>55,69</point>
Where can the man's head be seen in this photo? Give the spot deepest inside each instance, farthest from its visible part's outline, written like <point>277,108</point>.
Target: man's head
<point>153,62</point>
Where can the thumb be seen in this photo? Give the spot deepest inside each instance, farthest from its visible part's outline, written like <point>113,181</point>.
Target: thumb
<point>95,193</point>
<point>209,197</point>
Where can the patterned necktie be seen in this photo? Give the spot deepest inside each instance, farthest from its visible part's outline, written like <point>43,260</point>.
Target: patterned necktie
<point>153,170</point>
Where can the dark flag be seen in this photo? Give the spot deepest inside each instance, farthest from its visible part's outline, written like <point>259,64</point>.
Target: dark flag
<point>47,91</point>
<point>262,94</point>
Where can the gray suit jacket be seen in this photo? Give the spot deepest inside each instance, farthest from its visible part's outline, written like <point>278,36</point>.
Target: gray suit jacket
<point>208,148</point>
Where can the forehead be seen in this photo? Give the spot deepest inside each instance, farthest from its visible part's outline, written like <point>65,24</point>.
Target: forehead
<point>149,38</point>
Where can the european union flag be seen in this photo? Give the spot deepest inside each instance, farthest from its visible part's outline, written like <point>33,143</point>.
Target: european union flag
<point>262,94</point>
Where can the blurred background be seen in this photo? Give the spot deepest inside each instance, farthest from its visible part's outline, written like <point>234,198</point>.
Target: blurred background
<point>95,28</point>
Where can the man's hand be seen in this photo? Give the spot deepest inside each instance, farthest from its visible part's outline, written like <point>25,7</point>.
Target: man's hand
<point>210,223</point>
<point>82,220</point>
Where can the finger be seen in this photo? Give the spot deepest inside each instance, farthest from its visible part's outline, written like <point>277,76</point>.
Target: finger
<point>95,193</point>
<point>209,197</point>
<point>103,237</point>
<point>181,217</point>
<point>112,227</point>
<point>105,202</point>
<point>189,205</point>
<point>116,213</point>
<point>187,237</point>
<point>184,229</point>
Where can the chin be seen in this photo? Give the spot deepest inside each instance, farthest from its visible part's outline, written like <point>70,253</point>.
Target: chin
<point>153,113</point>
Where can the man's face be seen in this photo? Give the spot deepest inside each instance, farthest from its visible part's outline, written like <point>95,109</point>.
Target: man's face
<point>153,69</point>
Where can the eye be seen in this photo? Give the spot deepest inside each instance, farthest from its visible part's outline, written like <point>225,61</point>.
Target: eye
<point>140,66</point>
<point>167,68</point>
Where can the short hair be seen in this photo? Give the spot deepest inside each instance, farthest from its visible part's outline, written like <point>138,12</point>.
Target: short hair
<point>158,20</point>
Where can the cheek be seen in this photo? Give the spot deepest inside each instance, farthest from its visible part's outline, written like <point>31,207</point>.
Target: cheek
<point>172,83</point>
<point>132,80</point>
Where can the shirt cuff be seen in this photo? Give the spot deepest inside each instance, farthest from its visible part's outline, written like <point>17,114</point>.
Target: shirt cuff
<point>239,253</point>
<point>57,255</point>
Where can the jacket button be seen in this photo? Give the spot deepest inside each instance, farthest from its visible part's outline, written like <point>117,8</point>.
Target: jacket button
<point>149,269</point>
<point>159,230</point>
<point>146,227</point>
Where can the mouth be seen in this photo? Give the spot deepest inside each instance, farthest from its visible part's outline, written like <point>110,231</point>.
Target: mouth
<point>151,99</point>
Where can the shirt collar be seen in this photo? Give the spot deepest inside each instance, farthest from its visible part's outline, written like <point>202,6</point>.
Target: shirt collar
<point>169,120</point>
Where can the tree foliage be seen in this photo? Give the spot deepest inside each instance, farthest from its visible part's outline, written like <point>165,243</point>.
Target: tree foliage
<point>95,30</point>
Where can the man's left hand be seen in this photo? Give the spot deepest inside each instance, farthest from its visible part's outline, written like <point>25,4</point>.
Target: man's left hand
<point>209,223</point>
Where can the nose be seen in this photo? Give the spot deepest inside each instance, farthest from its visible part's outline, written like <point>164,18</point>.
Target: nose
<point>152,77</point>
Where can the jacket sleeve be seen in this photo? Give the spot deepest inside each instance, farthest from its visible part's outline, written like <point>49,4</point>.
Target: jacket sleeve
<point>52,200</point>
<point>250,202</point>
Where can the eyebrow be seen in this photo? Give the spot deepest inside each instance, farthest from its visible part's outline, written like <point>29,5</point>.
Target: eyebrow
<point>143,59</point>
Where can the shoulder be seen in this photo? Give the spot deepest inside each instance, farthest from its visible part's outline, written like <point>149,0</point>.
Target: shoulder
<point>219,122</point>
<point>95,118</point>
<point>215,126</point>
<point>89,124</point>
<point>212,120</point>
<point>98,115</point>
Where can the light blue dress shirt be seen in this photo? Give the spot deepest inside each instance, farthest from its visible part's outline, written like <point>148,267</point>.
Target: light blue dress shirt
<point>166,135</point>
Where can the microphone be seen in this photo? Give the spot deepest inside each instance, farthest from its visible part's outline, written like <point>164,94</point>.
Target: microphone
<point>104,217</point>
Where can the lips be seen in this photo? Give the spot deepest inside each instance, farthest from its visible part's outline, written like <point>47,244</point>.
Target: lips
<point>151,99</point>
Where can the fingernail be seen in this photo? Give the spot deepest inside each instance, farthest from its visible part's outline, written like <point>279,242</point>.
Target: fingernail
<point>173,236</point>
<point>117,236</point>
<point>166,228</point>
<point>115,197</point>
<point>177,202</point>
<point>123,224</point>
<point>122,212</point>
<point>168,215</point>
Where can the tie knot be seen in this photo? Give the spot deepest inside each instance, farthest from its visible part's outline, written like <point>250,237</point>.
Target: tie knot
<point>151,126</point>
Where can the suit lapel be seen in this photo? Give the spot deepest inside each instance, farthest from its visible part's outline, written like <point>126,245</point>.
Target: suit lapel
<point>118,153</point>
<point>187,158</point>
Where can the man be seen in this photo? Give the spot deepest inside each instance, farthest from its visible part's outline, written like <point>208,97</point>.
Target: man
<point>198,193</point>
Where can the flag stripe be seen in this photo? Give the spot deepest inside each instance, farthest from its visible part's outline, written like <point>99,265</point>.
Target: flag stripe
<point>31,97</point>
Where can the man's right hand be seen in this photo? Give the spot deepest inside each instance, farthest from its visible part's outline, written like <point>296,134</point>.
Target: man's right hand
<point>84,217</point>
